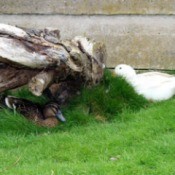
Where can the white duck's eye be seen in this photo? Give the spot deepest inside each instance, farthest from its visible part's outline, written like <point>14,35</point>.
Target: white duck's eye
<point>120,67</point>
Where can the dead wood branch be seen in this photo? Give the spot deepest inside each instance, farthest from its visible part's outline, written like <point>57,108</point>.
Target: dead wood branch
<point>40,58</point>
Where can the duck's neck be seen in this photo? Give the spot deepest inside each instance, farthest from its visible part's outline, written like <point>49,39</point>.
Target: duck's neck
<point>131,78</point>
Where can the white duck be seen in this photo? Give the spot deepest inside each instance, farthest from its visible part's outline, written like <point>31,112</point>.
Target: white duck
<point>153,86</point>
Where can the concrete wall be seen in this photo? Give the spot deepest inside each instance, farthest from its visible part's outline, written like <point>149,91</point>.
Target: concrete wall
<point>136,32</point>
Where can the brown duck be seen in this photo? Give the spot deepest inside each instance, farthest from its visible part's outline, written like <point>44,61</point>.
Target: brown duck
<point>49,116</point>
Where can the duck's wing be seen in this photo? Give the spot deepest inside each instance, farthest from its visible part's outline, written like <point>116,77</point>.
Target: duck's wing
<point>153,74</point>
<point>155,86</point>
<point>25,107</point>
<point>151,79</point>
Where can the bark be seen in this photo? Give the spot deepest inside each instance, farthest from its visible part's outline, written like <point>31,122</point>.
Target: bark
<point>40,58</point>
<point>41,81</point>
<point>11,77</point>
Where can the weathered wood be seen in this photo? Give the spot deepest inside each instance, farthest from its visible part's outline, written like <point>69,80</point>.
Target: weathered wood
<point>96,54</point>
<point>39,58</point>
<point>41,81</point>
<point>80,59</point>
<point>12,30</point>
<point>30,49</point>
<point>11,77</point>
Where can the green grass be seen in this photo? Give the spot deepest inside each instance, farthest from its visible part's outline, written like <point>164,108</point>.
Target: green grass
<point>110,130</point>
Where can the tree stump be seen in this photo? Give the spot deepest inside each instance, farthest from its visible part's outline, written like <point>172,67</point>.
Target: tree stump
<point>39,58</point>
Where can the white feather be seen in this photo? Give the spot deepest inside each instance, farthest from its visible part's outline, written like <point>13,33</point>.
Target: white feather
<point>8,103</point>
<point>154,86</point>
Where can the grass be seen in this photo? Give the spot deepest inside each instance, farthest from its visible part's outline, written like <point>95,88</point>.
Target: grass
<point>110,130</point>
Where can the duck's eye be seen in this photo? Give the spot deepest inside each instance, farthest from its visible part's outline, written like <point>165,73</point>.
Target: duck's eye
<point>120,67</point>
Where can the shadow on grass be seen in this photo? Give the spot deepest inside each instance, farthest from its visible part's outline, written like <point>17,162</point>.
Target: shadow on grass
<point>102,103</point>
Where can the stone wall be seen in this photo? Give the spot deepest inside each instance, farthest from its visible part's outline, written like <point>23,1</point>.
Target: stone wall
<point>136,32</point>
